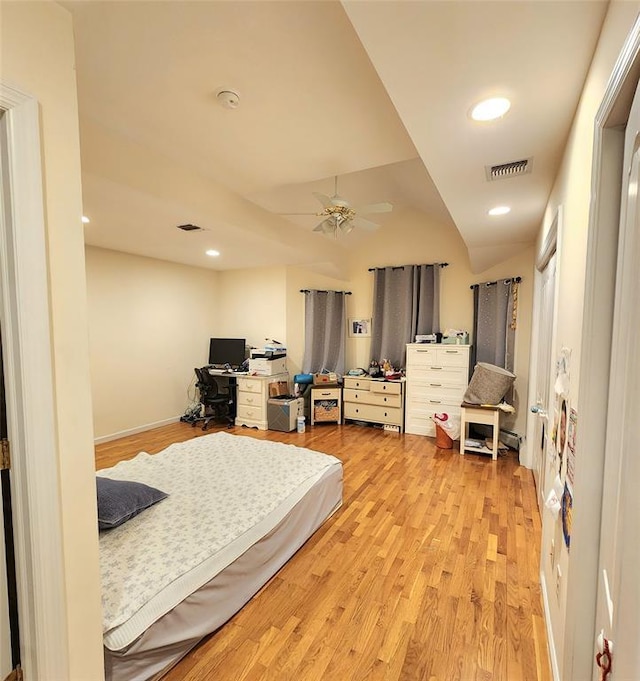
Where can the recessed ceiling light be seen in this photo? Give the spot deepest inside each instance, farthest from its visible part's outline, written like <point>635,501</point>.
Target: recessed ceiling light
<point>500,210</point>
<point>85,219</point>
<point>213,253</point>
<point>489,109</point>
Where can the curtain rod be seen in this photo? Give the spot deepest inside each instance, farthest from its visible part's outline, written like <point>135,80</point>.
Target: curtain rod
<point>306,290</point>
<point>513,280</point>
<point>399,267</point>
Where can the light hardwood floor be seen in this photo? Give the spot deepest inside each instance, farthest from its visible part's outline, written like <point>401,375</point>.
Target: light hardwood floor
<point>428,572</point>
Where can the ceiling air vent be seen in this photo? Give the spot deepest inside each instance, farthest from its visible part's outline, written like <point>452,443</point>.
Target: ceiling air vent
<point>511,169</point>
<point>190,228</point>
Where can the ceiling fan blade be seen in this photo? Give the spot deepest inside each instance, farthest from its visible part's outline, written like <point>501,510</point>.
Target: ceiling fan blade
<point>364,224</point>
<point>383,207</point>
<point>324,200</point>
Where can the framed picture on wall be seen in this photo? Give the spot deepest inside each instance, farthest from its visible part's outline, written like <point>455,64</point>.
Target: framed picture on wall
<point>359,328</point>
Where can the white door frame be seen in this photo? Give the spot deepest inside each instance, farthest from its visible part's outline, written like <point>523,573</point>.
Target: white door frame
<point>549,248</point>
<point>595,368</point>
<point>24,310</point>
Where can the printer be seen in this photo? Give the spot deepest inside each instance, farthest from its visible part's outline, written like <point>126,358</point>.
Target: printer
<point>268,360</point>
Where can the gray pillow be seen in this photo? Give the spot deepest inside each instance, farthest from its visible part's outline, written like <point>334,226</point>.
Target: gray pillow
<point>120,500</point>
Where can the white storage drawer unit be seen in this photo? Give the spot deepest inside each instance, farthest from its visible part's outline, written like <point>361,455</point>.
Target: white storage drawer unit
<point>252,398</point>
<point>326,404</point>
<point>437,377</point>
<point>374,400</point>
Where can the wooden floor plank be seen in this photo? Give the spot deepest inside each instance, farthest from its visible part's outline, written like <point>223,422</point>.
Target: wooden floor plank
<point>428,572</point>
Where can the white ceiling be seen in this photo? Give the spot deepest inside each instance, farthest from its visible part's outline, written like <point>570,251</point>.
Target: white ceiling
<point>375,92</point>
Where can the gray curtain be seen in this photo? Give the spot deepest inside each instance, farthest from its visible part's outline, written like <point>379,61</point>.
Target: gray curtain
<point>324,331</point>
<point>494,327</point>
<point>406,302</point>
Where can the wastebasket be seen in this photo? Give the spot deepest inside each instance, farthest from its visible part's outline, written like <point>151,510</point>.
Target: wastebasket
<point>443,441</point>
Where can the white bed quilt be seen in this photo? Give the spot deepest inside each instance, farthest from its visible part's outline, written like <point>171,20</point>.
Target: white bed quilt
<point>225,493</point>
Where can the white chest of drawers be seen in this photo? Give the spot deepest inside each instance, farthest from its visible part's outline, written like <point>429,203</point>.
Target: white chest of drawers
<point>252,397</point>
<point>373,400</point>
<point>437,377</point>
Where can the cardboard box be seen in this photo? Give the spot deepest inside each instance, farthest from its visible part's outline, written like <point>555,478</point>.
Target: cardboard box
<point>277,388</point>
<point>319,379</point>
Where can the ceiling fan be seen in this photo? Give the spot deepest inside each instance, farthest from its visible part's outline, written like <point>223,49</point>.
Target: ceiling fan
<point>340,217</point>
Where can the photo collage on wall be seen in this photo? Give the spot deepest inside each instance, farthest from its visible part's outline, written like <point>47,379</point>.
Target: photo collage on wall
<point>560,498</point>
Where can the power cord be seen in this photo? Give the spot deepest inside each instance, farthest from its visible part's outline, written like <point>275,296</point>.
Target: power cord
<point>193,409</point>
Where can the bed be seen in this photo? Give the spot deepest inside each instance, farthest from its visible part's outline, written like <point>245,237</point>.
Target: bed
<point>236,509</point>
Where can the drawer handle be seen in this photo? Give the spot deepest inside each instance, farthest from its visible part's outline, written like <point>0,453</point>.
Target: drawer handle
<point>436,385</point>
<point>385,399</point>
<point>250,400</point>
<point>325,394</point>
<point>436,368</point>
<point>452,352</point>
<point>435,401</point>
<point>418,350</point>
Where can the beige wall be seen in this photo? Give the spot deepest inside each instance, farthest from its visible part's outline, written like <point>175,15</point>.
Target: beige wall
<point>149,324</point>
<point>572,191</point>
<point>253,305</point>
<point>266,303</point>
<point>38,57</point>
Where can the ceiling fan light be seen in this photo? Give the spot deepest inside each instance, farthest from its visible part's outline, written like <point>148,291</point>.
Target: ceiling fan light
<point>490,109</point>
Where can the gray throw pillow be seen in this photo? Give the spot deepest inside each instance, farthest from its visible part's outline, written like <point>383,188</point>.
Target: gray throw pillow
<point>120,500</point>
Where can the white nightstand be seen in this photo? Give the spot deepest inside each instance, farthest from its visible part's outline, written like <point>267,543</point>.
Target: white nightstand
<point>474,413</point>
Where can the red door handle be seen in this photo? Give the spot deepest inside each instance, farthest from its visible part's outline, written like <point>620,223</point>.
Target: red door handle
<point>603,659</point>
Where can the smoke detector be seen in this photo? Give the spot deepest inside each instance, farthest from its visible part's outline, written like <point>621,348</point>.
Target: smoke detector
<point>229,99</point>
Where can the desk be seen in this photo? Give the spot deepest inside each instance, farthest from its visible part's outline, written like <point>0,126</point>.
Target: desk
<point>474,413</point>
<point>252,397</point>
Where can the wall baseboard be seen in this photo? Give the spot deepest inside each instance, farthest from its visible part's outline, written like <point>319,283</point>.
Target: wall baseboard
<point>135,431</point>
<point>553,655</point>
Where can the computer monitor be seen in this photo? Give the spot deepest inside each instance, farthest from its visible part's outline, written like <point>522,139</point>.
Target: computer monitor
<point>229,351</point>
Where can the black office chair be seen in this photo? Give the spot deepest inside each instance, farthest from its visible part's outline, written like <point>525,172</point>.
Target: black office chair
<point>216,400</point>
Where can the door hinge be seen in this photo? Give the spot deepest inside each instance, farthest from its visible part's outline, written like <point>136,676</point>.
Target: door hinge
<point>16,674</point>
<point>5,456</point>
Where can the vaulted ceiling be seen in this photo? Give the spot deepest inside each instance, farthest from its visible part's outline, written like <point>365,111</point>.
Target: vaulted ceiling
<point>377,93</point>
